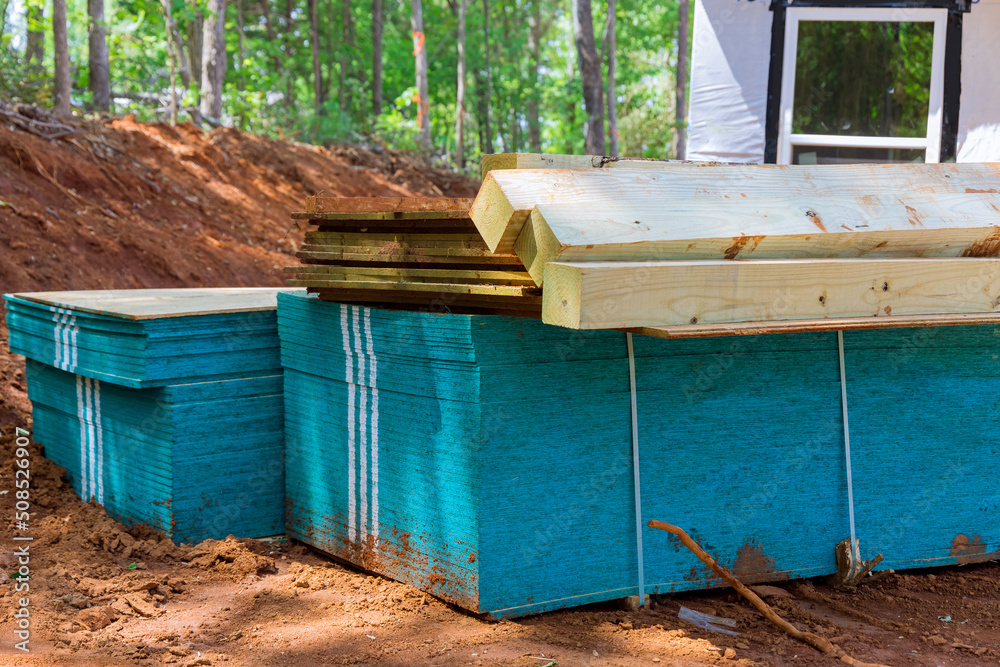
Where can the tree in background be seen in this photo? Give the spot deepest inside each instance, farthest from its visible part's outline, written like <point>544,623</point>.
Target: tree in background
<point>590,76</point>
<point>609,40</point>
<point>60,39</point>
<point>459,152</point>
<point>422,97</point>
<point>213,60</point>
<point>100,81</point>
<point>34,51</point>
<point>318,100</point>
<point>377,29</point>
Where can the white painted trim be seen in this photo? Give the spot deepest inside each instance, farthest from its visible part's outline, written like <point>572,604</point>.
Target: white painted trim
<point>931,144</point>
<point>857,142</point>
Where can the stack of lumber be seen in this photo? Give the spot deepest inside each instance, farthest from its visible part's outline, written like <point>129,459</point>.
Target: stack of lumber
<point>164,406</point>
<point>414,451</point>
<point>408,253</point>
<point>655,247</point>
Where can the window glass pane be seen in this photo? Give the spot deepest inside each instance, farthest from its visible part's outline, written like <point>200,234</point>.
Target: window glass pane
<point>863,78</point>
<point>849,155</point>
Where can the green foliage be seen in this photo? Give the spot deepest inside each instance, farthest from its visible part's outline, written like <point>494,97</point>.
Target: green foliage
<point>269,83</point>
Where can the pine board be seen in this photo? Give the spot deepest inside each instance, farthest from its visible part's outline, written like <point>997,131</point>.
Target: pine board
<point>589,295</point>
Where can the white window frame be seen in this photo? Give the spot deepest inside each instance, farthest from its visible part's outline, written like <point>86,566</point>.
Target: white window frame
<point>931,144</point>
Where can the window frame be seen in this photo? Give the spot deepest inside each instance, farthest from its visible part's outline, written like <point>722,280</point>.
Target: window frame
<point>931,144</point>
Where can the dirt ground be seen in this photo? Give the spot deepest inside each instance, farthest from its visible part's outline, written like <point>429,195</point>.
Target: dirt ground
<point>122,204</point>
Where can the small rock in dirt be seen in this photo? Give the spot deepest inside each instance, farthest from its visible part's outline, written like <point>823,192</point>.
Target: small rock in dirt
<point>937,640</point>
<point>625,625</point>
<point>180,650</point>
<point>729,654</point>
<point>962,646</point>
<point>96,618</point>
<point>980,651</point>
<point>76,600</point>
<point>301,583</point>
<point>196,662</point>
<point>141,605</point>
<point>743,646</point>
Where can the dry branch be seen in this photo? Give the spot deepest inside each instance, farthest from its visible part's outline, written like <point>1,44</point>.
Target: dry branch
<point>820,643</point>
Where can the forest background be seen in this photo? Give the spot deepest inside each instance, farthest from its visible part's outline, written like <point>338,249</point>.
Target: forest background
<point>452,78</point>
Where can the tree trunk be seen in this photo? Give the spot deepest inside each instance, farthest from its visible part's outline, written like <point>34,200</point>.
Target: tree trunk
<point>612,97</point>
<point>346,42</point>
<point>175,51</point>
<point>172,48</point>
<point>191,68</point>
<point>61,50</point>
<point>376,57</point>
<point>100,81</point>
<point>590,76</point>
<point>35,51</point>
<point>680,81</point>
<point>460,96</point>
<point>241,83</point>
<point>317,69</point>
<point>488,97</point>
<point>534,51</point>
<point>213,65</point>
<point>420,53</point>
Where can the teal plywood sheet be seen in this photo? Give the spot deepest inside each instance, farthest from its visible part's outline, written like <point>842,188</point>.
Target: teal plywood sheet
<point>174,421</point>
<point>488,459</point>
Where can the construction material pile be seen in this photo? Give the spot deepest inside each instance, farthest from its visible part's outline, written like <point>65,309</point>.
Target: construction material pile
<point>165,406</point>
<point>652,244</point>
<point>416,253</point>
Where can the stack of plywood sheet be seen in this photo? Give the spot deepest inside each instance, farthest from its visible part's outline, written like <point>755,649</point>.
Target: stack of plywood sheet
<point>669,245</point>
<point>408,253</point>
<point>414,451</point>
<point>165,406</point>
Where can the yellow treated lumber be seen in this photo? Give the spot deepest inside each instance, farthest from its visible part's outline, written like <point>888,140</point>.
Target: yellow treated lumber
<point>878,226</point>
<point>508,196</point>
<point>321,204</point>
<point>616,295</point>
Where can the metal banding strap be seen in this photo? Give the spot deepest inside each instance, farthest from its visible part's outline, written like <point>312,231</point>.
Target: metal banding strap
<point>855,555</point>
<point>635,467</point>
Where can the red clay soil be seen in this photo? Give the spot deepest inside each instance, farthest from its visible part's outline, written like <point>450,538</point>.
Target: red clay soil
<point>123,204</point>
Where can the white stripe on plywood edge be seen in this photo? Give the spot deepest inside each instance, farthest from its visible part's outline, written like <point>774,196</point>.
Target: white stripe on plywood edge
<point>81,417</point>
<point>100,440</point>
<point>363,426</point>
<point>352,519</point>
<point>373,382</point>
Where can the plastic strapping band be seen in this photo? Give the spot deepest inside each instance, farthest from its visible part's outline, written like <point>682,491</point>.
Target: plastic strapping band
<point>856,559</point>
<point>635,467</point>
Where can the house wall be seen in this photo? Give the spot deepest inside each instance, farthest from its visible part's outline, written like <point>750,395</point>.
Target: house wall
<point>730,59</point>
<point>979,118</point>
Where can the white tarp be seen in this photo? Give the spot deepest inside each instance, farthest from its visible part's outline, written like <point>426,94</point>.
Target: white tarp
<point>979,114</point>
<point>730,56</point>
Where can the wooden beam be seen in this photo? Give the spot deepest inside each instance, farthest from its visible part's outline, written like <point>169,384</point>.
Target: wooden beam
<point>426,287</point>
<point>507,197</point>
<point>876,226</point>
<point>801,326</point>
<point>405,276</point>
<point>616,295</point>
<point>355,205</point>
<point>494,161</point>
<point>375,216</point>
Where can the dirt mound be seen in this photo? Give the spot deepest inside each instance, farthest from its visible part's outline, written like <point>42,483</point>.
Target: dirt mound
<point>234,557</point>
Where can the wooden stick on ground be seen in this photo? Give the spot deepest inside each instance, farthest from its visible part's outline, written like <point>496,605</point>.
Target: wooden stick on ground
<point>814,640</point>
